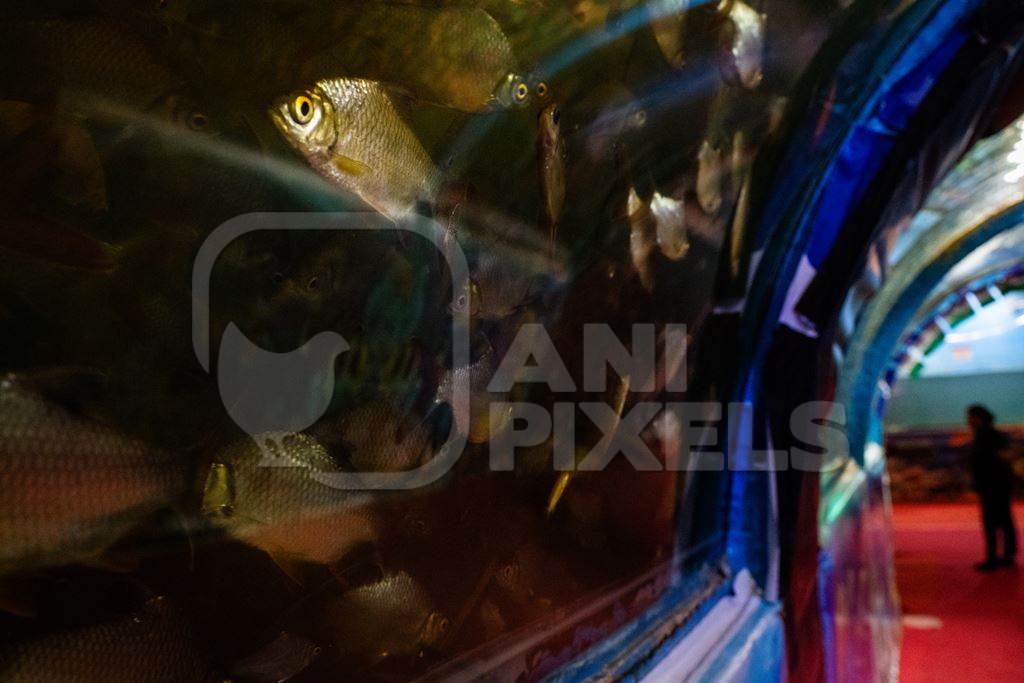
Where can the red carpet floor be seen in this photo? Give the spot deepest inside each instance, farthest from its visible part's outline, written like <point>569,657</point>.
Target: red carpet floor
<point>958,625</point>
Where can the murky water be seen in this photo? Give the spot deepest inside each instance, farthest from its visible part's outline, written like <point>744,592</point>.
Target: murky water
<point>587,158</point>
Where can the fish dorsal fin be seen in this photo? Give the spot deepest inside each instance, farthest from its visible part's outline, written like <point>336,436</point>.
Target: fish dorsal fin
<point>71,387</point>
<point>401,97</point>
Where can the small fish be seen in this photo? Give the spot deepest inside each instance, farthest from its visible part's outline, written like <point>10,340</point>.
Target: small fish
<point>269,478</point>
<point>475,423</point>
<point>526,578</point>
<point>711,176</point>
<point>744,43</point>
<point>351,133</point>
<point>739,161</point>
<point>776,113</point>
<point>392,617</point>
<point>642,240</point>
<point>380,437</point>
<point>455,57</point>
<point>670,226</point>
<point>667,21</point>
<point>501,282</point>
<point>97,57</point>
<point>185,114</point>
<point>551,152</point>
<point>280,507</point>
<point>52,153</point>
<point>512,91</point>
<point>155,642</point>
<point>69,486</point>
<point>467,299</point>
<point>53,161</point>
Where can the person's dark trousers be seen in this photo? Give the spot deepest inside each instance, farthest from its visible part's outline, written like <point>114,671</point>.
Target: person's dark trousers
<point>996,516</point>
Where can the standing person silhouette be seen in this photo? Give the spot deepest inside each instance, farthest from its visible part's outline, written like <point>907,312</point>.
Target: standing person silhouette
<point>993,481</point>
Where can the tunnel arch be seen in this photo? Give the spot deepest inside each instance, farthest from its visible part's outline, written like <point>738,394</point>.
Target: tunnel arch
<point>892,312</point>
<point>942,312</point>
<point>818,204</point>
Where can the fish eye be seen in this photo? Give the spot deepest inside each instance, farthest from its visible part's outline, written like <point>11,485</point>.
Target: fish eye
<point>640,117</point>
<point>198,121</point>
<point>522,91</point>
<point>302,109</point>
<point>277,278</point>
<point>542,89</point>
<point>313,284</point>
<point>226,510</point>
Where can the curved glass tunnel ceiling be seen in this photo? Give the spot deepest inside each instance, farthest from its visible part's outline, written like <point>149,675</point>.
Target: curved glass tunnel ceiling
<point>1002,251</point>
<point>966,342</point>
<point>991,174</point>
<point>972,321</point>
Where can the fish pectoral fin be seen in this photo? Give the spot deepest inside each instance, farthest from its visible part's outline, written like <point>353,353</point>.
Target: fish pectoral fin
<point>350,166</point>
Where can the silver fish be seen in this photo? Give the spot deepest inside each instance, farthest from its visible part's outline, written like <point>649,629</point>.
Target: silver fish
<point>641,237</point>
<point>391,617</point>
<point>70,487</point>
<point>744,40</point>
<point>475,423</point>
<point>551,153</point>
<point>667,21</point>
<point>711,174</point>
<point>351,133</point>
<point>279,506</point>
<point>457,57</point>
<point>670,226</point>
<point>86,56</point>
<point>498,287</point>
<point>381,437</point>
<point>155,642</point>
<point>512,91</point>
<point>739,163</point>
